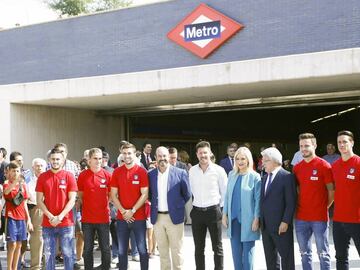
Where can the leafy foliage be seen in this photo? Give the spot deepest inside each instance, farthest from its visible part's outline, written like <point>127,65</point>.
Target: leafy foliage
<point>76,7</point>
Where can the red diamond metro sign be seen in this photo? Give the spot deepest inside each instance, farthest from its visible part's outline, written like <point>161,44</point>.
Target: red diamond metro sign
<point>204,30</point>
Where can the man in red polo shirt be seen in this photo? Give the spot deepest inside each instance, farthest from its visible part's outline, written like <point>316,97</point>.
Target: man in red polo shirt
<point>94,188</point>
<point>129,191</point>
<point>315,196</point>
<point>346,172</point>
<point>55,195</point>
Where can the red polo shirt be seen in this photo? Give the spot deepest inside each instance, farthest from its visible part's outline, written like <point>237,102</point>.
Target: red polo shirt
<point>95,188</point>
<point>347,190</point>
<point>312,178</point>
<point>55,188</point>
<point>129,182</point>
<point>11,210</point>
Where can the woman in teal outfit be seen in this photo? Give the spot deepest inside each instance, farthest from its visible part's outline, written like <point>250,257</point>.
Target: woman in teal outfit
<point>242,209</point>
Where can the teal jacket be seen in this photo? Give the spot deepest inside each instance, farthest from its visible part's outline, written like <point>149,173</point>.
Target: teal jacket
<point>250,203</point>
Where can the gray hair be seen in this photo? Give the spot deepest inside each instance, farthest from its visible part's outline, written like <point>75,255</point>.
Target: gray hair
<point>39,160</point>
<point>161,148</point>
<point>274,154</point>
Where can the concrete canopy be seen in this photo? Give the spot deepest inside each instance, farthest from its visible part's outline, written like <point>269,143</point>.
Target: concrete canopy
<point>287,79</point>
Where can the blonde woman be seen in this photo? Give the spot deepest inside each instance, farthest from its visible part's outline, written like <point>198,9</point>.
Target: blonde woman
<point>242,209</point>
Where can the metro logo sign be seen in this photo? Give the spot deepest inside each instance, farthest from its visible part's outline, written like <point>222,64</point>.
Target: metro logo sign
<point>204,30</point>
<point>201,31</point>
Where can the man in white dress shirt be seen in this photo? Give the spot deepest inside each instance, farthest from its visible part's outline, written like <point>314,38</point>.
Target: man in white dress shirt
<point>36,215</point>
<point>208,184</point>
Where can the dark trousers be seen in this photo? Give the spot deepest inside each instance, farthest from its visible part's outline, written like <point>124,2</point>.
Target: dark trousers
<point>342,233</point>
<point>123,233</point>
<point>102,230</point>
<point>201,222</point>
<point>114,240</point>
<point>279,248</point>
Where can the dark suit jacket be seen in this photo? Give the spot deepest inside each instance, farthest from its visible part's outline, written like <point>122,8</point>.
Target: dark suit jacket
<point>279,203</point>
<point>143,160</point>
<point>226,164</point>
<point>178,194</point>
<point>181,165</point>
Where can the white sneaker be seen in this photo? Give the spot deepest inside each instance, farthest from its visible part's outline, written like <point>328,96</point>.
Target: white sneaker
<point>136,258</point>
<point>80,262</point>
<point>115,260</point>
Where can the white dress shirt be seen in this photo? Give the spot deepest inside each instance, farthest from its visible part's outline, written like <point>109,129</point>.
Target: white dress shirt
<point>209,187</point>
<point>162,189</point>
<point>31,185</point>
<point>274,172</point>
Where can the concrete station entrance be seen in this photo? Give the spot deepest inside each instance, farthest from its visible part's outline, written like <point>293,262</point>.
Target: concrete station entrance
<point>258,101</point>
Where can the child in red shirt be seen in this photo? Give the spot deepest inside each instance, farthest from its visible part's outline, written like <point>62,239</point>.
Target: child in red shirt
<point>17,214</point>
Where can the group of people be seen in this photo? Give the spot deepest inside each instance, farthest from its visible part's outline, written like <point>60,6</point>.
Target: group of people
<point>161,190</point>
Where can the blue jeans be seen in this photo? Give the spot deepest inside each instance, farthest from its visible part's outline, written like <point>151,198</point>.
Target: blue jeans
<point>304,231</point>
<point>134,250</point>
<point>66,236</point>
<point>242,252</point>
<point>342,234</point>
<point>123,233</point>
<point>102,230</point>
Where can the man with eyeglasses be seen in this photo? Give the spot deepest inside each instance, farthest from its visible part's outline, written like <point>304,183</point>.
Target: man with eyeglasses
<point>277,207</point>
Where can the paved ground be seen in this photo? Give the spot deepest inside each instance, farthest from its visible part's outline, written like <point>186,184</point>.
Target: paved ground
<point>189,263</point>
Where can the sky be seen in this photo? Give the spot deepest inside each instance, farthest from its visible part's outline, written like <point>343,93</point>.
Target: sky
<point>24,12</point>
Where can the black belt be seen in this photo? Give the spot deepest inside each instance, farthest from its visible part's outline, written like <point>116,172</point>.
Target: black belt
<point>31,206</point>
<point>163,212</point>
<point>206,208</point>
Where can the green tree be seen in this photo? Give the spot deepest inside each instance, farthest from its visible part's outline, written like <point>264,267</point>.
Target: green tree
<point>76,7</point>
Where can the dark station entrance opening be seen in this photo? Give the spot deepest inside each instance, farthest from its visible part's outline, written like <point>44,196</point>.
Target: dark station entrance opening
<point>259,127</point>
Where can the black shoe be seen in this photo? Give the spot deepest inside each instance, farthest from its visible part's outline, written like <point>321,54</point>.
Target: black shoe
<point>77,266</point>
<point>59,259</point>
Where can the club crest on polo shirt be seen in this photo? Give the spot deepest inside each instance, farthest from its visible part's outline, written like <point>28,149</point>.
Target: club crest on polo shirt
<point>62,184</point>
<point>313,177</point>
<point>102,180</point>
<point>351,175</point>
<point>136,180</point>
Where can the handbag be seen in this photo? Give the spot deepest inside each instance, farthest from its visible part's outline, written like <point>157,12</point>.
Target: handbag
<point>19,198</point>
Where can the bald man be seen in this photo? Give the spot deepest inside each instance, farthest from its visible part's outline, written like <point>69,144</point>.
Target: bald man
<point>169,191</point>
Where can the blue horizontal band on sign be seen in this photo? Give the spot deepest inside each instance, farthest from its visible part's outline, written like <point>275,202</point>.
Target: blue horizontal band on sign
<point>201,31</point>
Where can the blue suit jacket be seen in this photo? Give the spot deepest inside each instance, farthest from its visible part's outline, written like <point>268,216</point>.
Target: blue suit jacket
<point>178,194</point>
<point>226,164</point>
<point>278,205</point>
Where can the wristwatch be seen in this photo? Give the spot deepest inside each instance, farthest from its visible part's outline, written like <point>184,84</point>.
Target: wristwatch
<point>133,210</point>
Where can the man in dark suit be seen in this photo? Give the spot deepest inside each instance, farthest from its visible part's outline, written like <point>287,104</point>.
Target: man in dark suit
<point>228,162</point>
<point>278,202</point>
<point>146,156</point>
<point>176,163</point>
<point>173,159</point>
<point>169,191</point>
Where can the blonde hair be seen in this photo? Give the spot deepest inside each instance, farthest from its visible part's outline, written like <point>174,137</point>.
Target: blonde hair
<point>246,152</point>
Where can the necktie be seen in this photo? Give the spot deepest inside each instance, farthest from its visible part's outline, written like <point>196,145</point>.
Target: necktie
<point>147,160</point>
<point>232,162</point>
<point>268,183</point>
